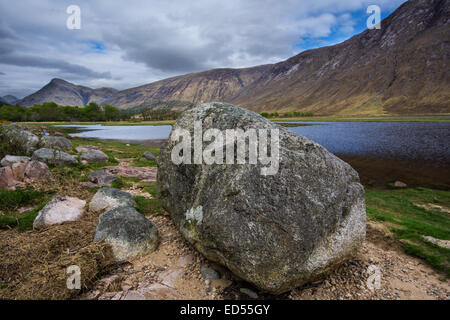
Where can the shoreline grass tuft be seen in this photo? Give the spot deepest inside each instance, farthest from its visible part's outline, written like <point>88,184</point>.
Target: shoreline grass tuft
<point>403,212</point>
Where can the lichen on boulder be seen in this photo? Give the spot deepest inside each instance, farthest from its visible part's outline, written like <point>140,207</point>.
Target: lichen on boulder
<point>108,198</point>
<point>59,143</point>
<point>276,231</point>
<point>54,157</point>
<point>127,231</point>
<point>59,210</point>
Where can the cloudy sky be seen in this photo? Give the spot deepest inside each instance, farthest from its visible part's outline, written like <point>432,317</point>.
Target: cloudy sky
<point>124,44</point>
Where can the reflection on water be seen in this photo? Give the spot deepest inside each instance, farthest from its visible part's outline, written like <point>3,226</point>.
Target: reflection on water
<point>122,132</point>
<point>426,141</point>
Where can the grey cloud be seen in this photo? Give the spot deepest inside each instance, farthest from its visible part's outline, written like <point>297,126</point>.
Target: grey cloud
<point>147,40</point>
<point>6,32</point>
<point>175,37</point>
<point>166,59</point>
<point>62,66</point>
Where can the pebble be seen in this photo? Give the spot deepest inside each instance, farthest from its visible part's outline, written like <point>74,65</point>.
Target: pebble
<point>249,293</point>
<point>209,273</point>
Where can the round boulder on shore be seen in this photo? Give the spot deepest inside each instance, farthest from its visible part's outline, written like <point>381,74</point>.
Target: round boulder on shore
<point>32,171</point>
<point>127,231</point>
<point>277,231</point>
<point>20,173</point>
<point>148,156</point>
<point>59,143</point>
<point>108,198</point>
<point>102,177</point>
<point>92,155</point>
<point>59,210</point>
<point>9,160</point>
<point>54,157</point>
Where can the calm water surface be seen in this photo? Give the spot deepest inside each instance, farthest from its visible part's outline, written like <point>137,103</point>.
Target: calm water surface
<point>122,132</point>
<point>426,141</point>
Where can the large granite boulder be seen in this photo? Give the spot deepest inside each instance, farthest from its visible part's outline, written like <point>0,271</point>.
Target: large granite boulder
<point>127,231</point>
<point>9,160</point>
<point>92,155</point>
<point>59,210</point>
<point>16,135</point>
<point>59,143</point>
<point>277,229</point>
<point>108,198</point>
<point>54,157</point>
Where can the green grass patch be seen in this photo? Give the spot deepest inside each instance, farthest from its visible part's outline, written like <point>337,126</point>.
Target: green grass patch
<point>438,261</point>
<point>10,201</point>
<point>119,183</point>
<point>400,211</point>
<point>149,206</point>
<point>119,150</point>
<point>144,205</point>
<point>14,199</point>
<point>145,163</point>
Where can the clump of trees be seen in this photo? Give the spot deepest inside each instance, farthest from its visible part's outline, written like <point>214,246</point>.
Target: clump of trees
<point>50,111</point>
<point>287,115</point>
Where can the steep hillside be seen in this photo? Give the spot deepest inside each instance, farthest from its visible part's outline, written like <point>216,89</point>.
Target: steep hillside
<point>212,85</point>
<point>67,94</point>
<point>9,99</point>
<point>403,68</point>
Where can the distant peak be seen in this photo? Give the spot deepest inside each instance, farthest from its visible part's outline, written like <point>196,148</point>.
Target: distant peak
<point>57,80</point>
<point>9,96</point>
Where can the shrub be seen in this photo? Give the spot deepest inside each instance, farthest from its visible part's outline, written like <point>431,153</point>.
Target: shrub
<point>10,144</point>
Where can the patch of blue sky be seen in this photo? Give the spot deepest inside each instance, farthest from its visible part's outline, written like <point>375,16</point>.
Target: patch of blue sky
<point>94,47</point>
<point>339,33</point>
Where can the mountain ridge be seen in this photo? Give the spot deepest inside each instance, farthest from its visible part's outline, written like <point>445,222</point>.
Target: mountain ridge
<point>63,92</point>
<point>8,99</point>
<point>400,69</point>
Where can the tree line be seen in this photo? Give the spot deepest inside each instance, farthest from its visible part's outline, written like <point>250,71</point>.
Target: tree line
<point>286,115</point>
<point>150,114</point>
<point>50,111</point>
